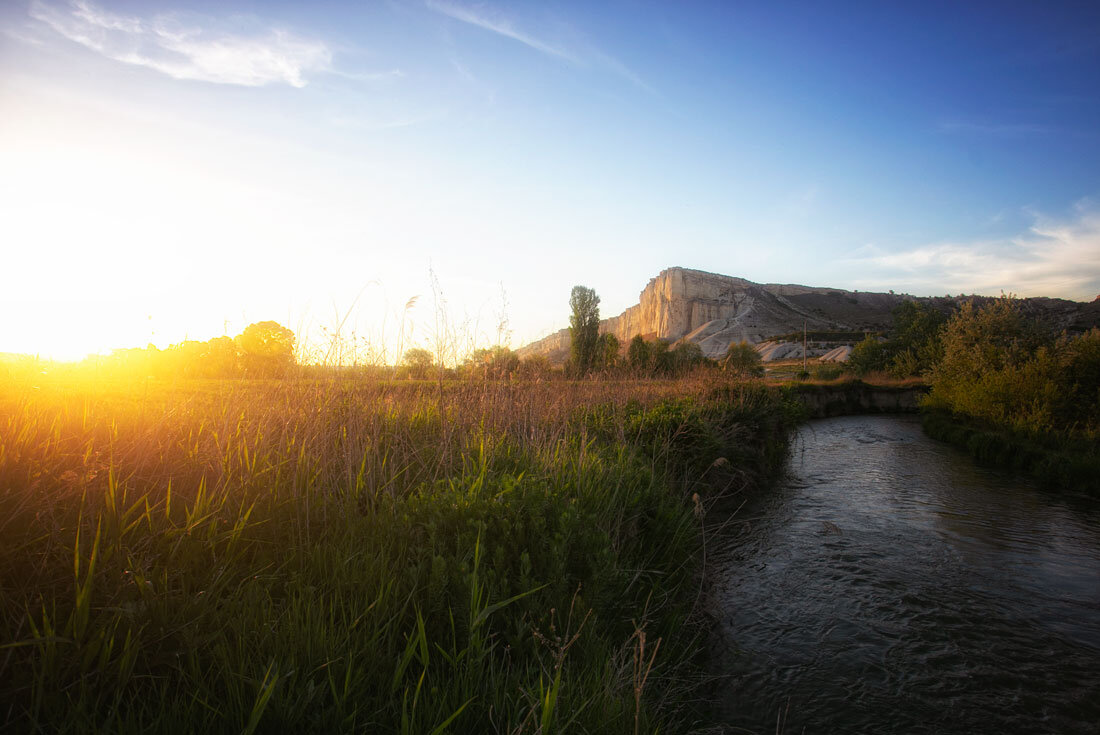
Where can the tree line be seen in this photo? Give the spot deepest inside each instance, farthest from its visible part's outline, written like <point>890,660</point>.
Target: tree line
<point>994,363</point>
<point>262,350</point>
<point>591,353</point>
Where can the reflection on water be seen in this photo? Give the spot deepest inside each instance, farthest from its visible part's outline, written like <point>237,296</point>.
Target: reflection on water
<point>893,586</point>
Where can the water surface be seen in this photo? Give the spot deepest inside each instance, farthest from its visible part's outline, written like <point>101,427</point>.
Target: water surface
<point>893,586</point>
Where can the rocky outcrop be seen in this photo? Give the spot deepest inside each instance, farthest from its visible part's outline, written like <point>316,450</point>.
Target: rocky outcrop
<point>714,311</point>
<point>711,310</point>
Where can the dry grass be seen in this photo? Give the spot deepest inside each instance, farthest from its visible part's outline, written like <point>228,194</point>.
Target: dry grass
<point>344,556</point>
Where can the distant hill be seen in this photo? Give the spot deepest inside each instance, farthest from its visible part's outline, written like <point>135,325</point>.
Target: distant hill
<point>713,311</point>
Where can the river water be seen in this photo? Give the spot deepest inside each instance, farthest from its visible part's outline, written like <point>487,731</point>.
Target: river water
<point>890,585</point>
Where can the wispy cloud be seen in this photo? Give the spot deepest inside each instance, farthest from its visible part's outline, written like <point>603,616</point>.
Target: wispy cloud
<point>474,82</point>
<point>486,18</point>
<point>618,67</point>
<point>482,18</point>
<point>188,51</point>
<point>1054,257</point>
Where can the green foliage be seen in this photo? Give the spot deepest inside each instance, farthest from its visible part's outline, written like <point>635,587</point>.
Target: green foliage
<point>661,361</point>
<point>916,343</point>
<point>534,367</point>
<point>494,363</point>
<point>659,358</point>
<point>826,371</point>
<point>219,358</point>
<point>584,328</point>
<point>266,349</point>
<point>419,361</point>
<point>1058,465</point>
<point>999,367</point>
<point>913,348</point>
<point>1077,373</point>
<point>985,340</point>
<point>344,556</point>
<point>639,356</point>
<point>743,361</point>
<point>607,352</point>
<point>687,356</point>
<point>867,356</point>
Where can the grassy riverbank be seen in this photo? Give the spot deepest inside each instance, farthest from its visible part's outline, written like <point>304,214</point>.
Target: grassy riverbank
<point>1056,462</point>
<point>307,556</point>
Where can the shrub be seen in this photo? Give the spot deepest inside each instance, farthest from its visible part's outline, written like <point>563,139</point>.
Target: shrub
<point>869,355</point>
<point>1000,367</point>
<point>824,371</point>
<point>743,361</point>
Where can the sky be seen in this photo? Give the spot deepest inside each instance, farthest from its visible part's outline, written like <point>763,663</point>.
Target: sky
<point>397,172</point>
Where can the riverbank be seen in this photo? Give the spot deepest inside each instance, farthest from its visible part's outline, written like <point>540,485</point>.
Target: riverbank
<point>848,397</point>
<point>1055,463</point>
<point>309,556</point>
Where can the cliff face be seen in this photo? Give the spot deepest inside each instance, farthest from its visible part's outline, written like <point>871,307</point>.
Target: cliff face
<point>677,302</point>
<point>715,311</point>
<point>707,308</point>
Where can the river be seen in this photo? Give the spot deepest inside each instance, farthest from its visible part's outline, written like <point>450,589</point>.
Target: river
<point>890,585</point>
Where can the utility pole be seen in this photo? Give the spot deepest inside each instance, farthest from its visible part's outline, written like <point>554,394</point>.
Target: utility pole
<point>804,346</point>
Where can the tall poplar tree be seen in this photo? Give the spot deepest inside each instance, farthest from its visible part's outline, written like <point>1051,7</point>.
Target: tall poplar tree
<point>584,328</point>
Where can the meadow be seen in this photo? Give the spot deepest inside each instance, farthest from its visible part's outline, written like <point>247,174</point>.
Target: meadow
<point>349,555</point>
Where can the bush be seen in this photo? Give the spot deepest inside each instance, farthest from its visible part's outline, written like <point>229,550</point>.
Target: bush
<point>825,371</point>
<point>869,355</point>
<point>743,361</point>
<point>1000,367</point>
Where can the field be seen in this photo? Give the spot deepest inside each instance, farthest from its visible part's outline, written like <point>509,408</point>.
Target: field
<point>363,556</point>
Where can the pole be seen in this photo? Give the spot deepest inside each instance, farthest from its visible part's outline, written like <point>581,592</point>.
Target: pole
<point>803,345</point>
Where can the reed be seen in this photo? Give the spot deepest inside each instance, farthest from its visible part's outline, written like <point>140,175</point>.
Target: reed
<point>362,556</point>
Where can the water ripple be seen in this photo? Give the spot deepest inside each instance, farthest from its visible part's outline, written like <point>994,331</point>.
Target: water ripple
<point>892,586</point>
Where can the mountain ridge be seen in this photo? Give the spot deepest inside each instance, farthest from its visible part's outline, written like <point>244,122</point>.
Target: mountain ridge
<point>715,310</point>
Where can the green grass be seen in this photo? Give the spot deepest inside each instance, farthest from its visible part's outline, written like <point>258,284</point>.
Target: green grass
<point>349,556</point>
<point>1056,462</point>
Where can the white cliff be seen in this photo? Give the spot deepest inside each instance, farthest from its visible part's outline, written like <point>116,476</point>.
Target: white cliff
<point>706,308</point>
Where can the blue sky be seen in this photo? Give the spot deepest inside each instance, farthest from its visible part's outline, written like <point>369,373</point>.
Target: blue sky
<point>182,169</point>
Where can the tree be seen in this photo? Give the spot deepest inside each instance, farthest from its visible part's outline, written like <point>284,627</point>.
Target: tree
<point>534,367</point>
<point>222,359</point>
<point>982,340</point>
<point>687,355</point>
<point>419,361</point>
<point>743,361</point>
<point>869,355</point>
<point>660,357</point>
<point>916,344</point>
<point>607,351</point>
<point>267,349</point>
<point>638,355</point>
<point>1078,374</point>
<point>493,362</point>
<point>584,328</point>
<point>997,366</point>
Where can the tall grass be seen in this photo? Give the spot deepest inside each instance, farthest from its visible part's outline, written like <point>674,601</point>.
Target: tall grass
<point>349,556</point>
